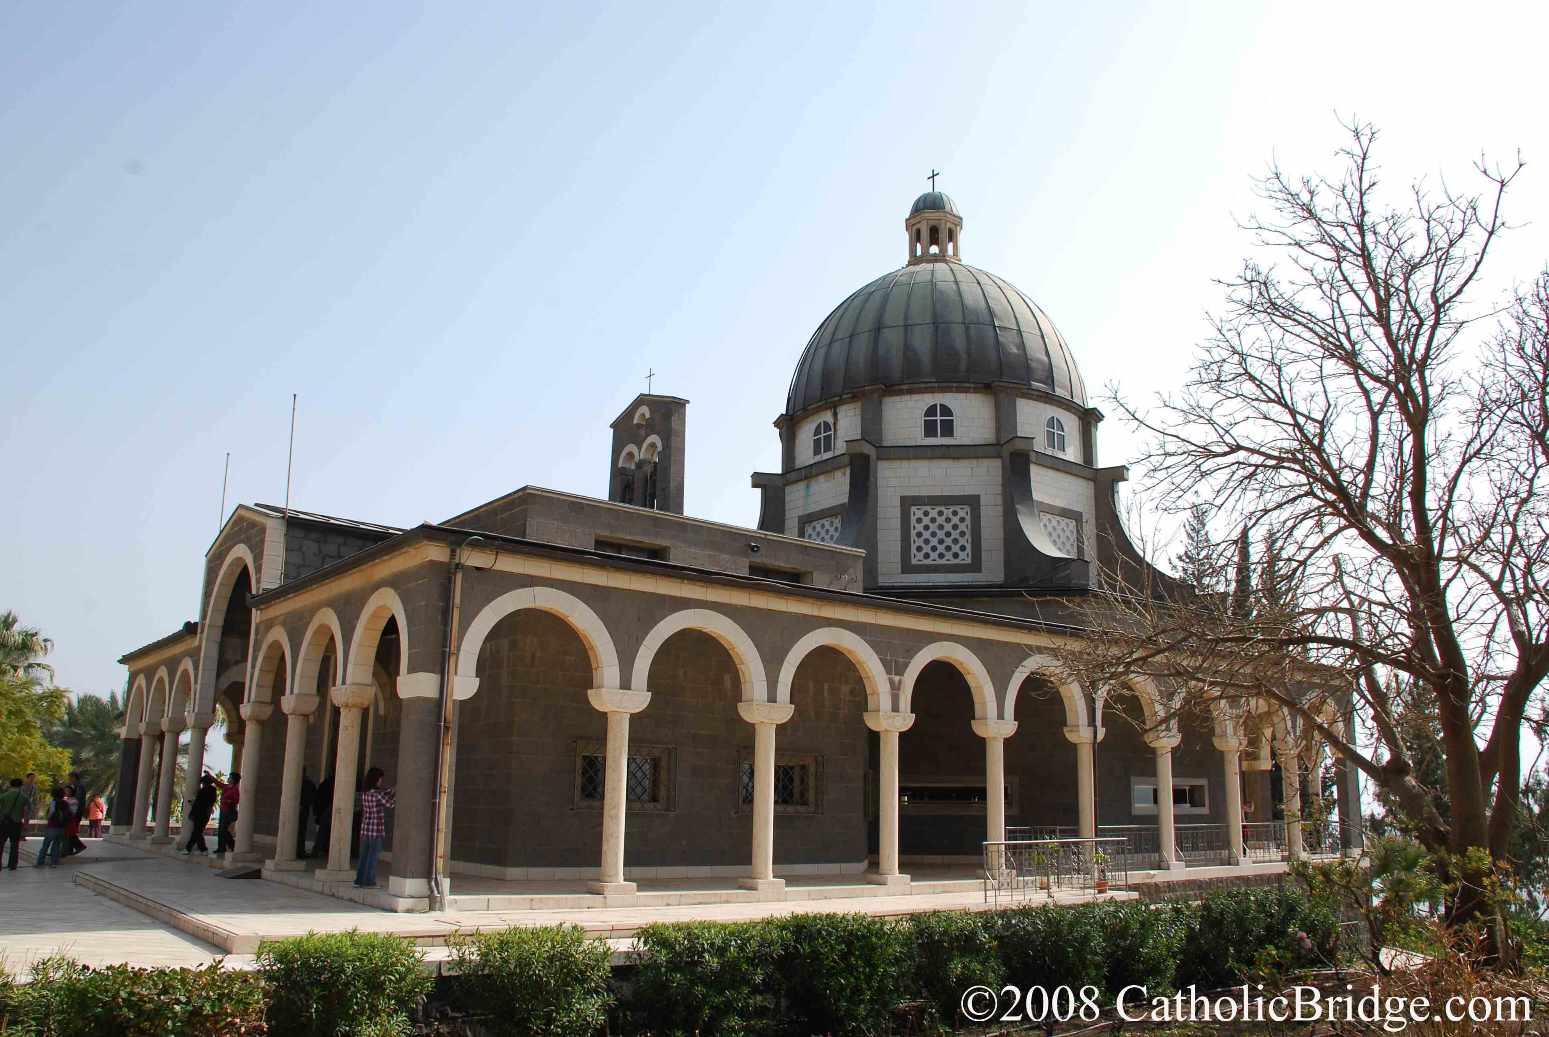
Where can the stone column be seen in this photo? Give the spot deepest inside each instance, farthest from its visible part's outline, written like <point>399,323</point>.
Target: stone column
<point>1291,789</point>
<point>765,717</point>
<point>1231,760</point>
<point>619,704</point>
<point>171,727</point>
<point>298,711</point>
<point>1347,790</point>
<point>888,727</point>
<point>994,733</point>
<point>149,733</point>
<point>419,726</point>
<point>198,728</point>
<point>128,790</point>
<point>352,700</point>
<point>1167,834</point>
<point>1085,740</point>
<point>253,716</point>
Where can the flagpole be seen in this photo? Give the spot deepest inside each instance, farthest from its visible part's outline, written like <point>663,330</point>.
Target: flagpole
<point>290,456</point>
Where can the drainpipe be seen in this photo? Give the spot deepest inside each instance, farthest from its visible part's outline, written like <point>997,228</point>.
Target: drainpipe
<point>441,836</point>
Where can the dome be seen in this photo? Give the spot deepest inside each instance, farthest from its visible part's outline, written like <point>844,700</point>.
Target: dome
<point>934,201</point>
<point>939,322</point>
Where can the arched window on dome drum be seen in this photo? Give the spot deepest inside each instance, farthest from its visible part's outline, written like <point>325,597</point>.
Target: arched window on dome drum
<point>939,422</point>
<point>1054,435</point>
<point>822,438</point>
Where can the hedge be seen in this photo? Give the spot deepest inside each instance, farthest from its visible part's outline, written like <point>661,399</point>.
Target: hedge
<point>548,981</point>
<point>349,984</point>
<point>67,999</point>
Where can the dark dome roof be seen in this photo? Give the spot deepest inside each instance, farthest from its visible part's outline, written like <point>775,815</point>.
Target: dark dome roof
<point>934,322</point>
<point>934,201</point>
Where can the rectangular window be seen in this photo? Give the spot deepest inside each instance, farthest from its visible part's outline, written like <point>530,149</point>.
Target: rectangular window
<point>772,572</point>
<point>795,784</point>
<point>618,547</point>
<point>1190,796</point>
<point>645,777</point>
<point>951,796</point>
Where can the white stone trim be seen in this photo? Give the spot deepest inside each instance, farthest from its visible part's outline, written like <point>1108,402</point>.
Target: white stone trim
<point>156,705</point>
<point>215,617</point>
<point>1145,691</point>
<point>184,666</point>
<point>134,717</point>
<point>575,612</point>
<point>422,685</point>
<point>708,871</point>
<point>1049,668</point>
<point>323,626</point>
<point>383,603</point>
<point>967,664</point>
<point>849,644</point>
<point>263,672</point>
<point>732,637</point>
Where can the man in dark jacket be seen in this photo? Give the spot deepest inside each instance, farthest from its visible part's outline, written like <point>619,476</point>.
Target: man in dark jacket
<point>199,813</point>
<point>308,802</point>
<point>322,809</point>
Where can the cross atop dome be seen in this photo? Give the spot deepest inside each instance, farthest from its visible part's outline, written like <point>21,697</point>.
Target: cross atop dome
<point>934,226</point>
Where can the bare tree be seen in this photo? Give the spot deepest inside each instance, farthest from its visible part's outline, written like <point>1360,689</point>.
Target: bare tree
<point>1360,412</point>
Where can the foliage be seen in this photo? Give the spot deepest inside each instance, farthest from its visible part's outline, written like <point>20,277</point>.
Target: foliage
<point>1052,946</point>
<point>1236,935</point>
<point>550,981</point>
<point>953,950</point>
<point>838,974</point>
<point>1199,562</point>
<point>707,977</point>
<point>1142,943</point>
<point>66,999</point>
<point>1393,887</point>
<point>349,984</point>
<point>89,730</point>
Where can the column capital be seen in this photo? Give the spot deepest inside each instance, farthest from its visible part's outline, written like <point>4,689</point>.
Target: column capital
<point>1289,761</point>
<point>201,720</point>
<point>422,685</point>
<point>300,705</point>
<point>994,728</point>
<point>464,687</point>
<point>173,725</point>
<point>1163,743</point>
<point>1084,735</point>
<point>257,712</point>
<point>150,729</point>
<point>894,722</point>
<point>352,696</point>
<point>1228,744</point>
<point>765,712</point>
<point>618,700</point>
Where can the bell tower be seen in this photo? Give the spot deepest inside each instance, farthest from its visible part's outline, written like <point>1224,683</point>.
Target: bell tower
<point>935,229</point>
<point>646,463</point>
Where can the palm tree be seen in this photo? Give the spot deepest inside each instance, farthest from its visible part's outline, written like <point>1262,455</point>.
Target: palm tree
<point>22,650</point>
<point>91,731</point>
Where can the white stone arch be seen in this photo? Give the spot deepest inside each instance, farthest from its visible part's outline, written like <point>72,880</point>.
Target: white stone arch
<point>967,664</point>
<point>274,652</point>
<point>161,690</point>
<point>321,631</point>
<point>651,447</point>
<point>629,456</point>
<point>384,604</point>
<point>134,708</point>
<point>750,668</point>
<point>575,612</point>
<point>642,414</point>
<point>1049,668</point>
<point>184,680</point>
<point>851,646</point>
<point>1152,703</point>
<point>214,618</point>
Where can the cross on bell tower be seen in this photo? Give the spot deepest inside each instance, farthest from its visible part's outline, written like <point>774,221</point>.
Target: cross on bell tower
<point>934,173</point>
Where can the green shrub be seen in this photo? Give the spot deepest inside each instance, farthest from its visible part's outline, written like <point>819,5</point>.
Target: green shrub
<point>549,981</point>
<point>952,950</point>
<point>707,977</point>
<point>838,974</point>
<point>1141,944</point>
<point>350,984</point>
<point>66,999</point>
<point>1050,947</point>
<point>1237,934</point>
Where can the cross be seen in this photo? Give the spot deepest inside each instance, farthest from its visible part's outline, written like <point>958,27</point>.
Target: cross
<point>648,376</point>
<point>934,173</point>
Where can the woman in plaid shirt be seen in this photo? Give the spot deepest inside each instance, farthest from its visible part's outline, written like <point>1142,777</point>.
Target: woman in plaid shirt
<point>374,804</point>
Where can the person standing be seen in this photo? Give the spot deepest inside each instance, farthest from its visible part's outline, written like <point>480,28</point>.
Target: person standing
<point>13,816</point>
<point>199,813</point>
<point>96,812</point>
<point>375,801</point>
<point>54,829</point>
<point>231,795</point>
<point>322,810</point>
<point>76,791</point>
<point>308,803</point>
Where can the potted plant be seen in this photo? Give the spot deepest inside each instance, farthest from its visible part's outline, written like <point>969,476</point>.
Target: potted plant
<point>1040,861</point>
<point>1100,861</point>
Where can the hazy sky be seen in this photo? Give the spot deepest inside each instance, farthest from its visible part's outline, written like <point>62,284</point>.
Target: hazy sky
<point>463,232</point>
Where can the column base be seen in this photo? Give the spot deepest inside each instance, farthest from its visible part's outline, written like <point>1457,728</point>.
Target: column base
<point>250,857</point>
<point>890,881</point>
<point>291,865</point>
<point>160,840</point>
<point>611,889</point>
<point>1173,866</point>
<point>767,886</point>
<point>334,874</point>
<point>408,887</point>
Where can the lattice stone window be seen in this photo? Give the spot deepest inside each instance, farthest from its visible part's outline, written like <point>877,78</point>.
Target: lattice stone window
<point>1065,532</point>
<point>823,530</point>
<point>941,534</point>
<point>795,784</point>
<point>645,776</point>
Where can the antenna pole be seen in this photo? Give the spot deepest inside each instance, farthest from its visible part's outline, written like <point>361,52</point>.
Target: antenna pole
<point>225,477</point>
<point>290,455</point>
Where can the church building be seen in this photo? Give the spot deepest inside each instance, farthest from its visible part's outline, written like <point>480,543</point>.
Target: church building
<point>604,691</point>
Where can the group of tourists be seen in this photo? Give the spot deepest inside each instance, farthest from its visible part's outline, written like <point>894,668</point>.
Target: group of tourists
<point>64,810</point>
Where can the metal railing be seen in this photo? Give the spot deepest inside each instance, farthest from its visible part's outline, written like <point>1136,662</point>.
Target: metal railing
<point>1202,845</point>
<point>1142,843</point>
<point>1027,868</point>
<point>1023,833</point>
<point>1325,837</point>
<point>1263,841</point>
